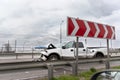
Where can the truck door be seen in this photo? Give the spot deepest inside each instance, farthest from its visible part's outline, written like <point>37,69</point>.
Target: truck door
<point>81,50</point>
<point>68,50</point>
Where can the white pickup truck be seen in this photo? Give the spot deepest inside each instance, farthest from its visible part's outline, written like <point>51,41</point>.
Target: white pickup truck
<point>69,51</point>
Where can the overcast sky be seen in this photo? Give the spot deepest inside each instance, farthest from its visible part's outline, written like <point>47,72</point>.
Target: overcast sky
<point>38,21</point>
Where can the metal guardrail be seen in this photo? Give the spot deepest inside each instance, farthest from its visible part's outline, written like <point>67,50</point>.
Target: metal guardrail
<point>50,65</point>
<point>33,64</point>
<point>8,49</point>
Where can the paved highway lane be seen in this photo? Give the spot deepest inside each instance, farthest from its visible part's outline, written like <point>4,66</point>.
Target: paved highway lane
<point>24,74</point>
<point>30,74</point>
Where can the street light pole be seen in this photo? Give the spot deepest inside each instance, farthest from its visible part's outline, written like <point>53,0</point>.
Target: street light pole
<point>61,32</point>
<point>24,45</point>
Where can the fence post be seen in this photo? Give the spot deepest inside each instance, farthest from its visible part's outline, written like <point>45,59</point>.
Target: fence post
<point>15,45</point>
<point>32,53</point>
<point>50,71</point>
<point>74,69</point>
<point>16,55</point>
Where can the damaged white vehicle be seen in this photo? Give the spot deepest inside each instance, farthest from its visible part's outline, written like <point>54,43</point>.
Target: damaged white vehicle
<point>69,51</point>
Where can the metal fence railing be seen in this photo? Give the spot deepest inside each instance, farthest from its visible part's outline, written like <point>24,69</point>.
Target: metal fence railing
<point>20,56</point>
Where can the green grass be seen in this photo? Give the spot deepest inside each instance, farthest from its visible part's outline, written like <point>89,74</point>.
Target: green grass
<point>87,74</point>
<point>82,76</point>
<point>67,77</point>
<point>117,67</point>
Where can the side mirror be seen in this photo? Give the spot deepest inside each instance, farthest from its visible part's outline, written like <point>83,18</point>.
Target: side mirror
<point>63,47</point>
<point>107,75</point>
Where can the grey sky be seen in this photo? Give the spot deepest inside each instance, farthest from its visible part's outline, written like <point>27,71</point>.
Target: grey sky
<point>38,21</point>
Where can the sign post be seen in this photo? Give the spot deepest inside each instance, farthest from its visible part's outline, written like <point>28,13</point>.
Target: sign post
<point>108,56</point>
<point>76,62</point>
<point>77,27</point>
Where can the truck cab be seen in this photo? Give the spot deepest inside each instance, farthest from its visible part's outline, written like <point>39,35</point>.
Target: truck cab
<point>69,49</point>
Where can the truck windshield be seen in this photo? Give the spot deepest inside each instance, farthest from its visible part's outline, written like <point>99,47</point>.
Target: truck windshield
<point>69,44</point>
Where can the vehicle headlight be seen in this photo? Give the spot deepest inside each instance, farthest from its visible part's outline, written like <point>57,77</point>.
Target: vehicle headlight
<point>44,53</point>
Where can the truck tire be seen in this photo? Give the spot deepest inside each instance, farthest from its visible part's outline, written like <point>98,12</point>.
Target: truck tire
<point>99,55</point>
<point>53,57</point>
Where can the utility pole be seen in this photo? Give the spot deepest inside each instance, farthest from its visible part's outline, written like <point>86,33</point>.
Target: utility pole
<point>15,44</point>
<point>8,46</point>
<point>61,32</point>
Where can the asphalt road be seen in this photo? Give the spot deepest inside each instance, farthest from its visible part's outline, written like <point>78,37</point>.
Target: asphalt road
<point>35,73</point>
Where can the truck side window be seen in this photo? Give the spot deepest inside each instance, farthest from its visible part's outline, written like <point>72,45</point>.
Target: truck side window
<point>80,45</point>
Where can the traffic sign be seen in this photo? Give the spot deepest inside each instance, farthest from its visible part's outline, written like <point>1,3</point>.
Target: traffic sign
<point>78,27</point>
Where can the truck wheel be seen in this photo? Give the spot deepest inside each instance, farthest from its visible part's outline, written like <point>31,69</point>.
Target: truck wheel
<point>99,55</point>
<point>53,57</point>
